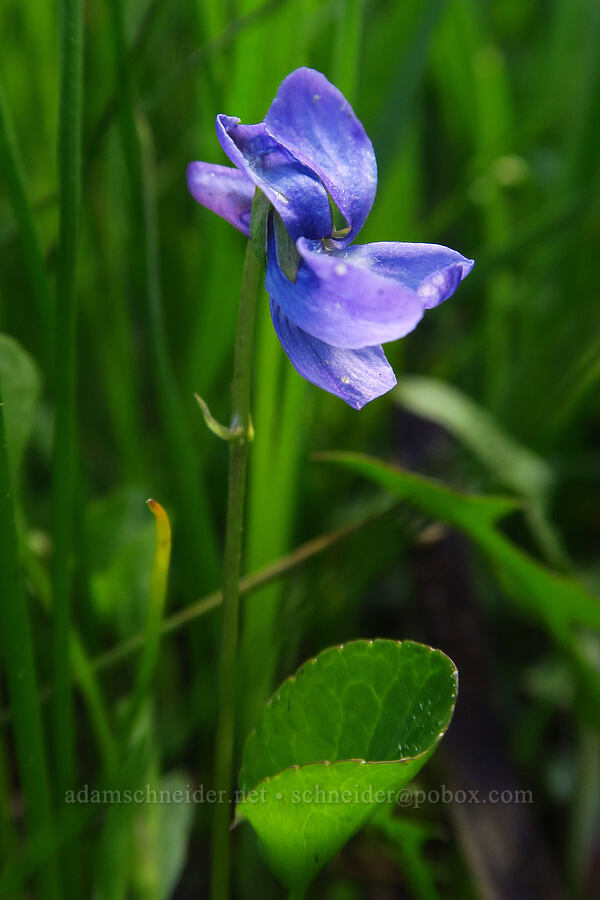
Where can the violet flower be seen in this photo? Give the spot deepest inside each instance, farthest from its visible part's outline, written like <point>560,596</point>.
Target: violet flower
<point>335,303</point>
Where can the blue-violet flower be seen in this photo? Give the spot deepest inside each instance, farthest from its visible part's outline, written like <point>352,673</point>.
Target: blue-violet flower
<point>339,302</point>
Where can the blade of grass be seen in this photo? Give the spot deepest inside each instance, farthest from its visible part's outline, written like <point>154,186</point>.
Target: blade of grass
<point>348,45</point>
<point>156,605</point>
<point>19,665</point>
<point>15,179</point>
<point>200,534</point>
<point>8,834</point>
<point>213,47</point>
<point>112,322</point>
<point>197,59</point>
<point>249,584</point>
<point>559,604</point>
<point>83,671</point>
<point>580,380</point>
<point>514,465</point>
<point>418,21</point>
<point>105,118</point>
<point>582,137</point>
<point>65,361</point>
<point>90,690</point>
<point>198,531</point>
<point>70,823</point>
<point>134,56</point>
<point>582,827</point>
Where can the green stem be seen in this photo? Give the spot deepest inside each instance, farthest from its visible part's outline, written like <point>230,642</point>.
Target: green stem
<point>19,665</point>
<point>64,462</point>
<point>238,455</point>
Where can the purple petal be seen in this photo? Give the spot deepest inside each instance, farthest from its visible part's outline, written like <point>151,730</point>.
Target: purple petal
<point>226,191</point>
<point>315,122</point>
<point>433,271</point>
<point>341,303</point>
<point>356,376</point>
<point>295,191</point>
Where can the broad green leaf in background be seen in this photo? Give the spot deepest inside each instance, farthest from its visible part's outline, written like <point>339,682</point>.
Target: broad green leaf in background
<point>560,604</point>
<point>468,512</point>
<point>351,728</point>
<point>557,601</point>
<point>20,386</point>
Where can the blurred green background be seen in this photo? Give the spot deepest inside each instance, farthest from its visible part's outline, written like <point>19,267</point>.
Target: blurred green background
<point>485,118</point>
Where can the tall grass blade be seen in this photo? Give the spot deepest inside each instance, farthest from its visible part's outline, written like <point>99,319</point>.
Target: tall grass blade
<point>198,532</point>
<point>65,377</point>
<point>19,665</point>
<point>15,179</point>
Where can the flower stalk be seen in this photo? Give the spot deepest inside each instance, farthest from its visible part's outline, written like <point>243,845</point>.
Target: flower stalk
<point>241,427</point>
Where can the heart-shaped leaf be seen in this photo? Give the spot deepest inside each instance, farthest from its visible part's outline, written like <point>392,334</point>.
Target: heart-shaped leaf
<point>339,738</point>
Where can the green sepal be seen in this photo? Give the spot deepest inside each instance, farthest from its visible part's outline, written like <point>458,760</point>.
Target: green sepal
<point>261,207</point>
<point>287,255</point>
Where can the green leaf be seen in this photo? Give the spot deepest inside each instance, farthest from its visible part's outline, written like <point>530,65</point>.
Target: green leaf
<point>287,255</point>
<point>509,462</point>
<point>18,666</point>
<point>464,511</point>
<point>340,738</point>
<point>261,207</point>
<point>555,600</point>
<point>20,386</point>
<point>513,465</point>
